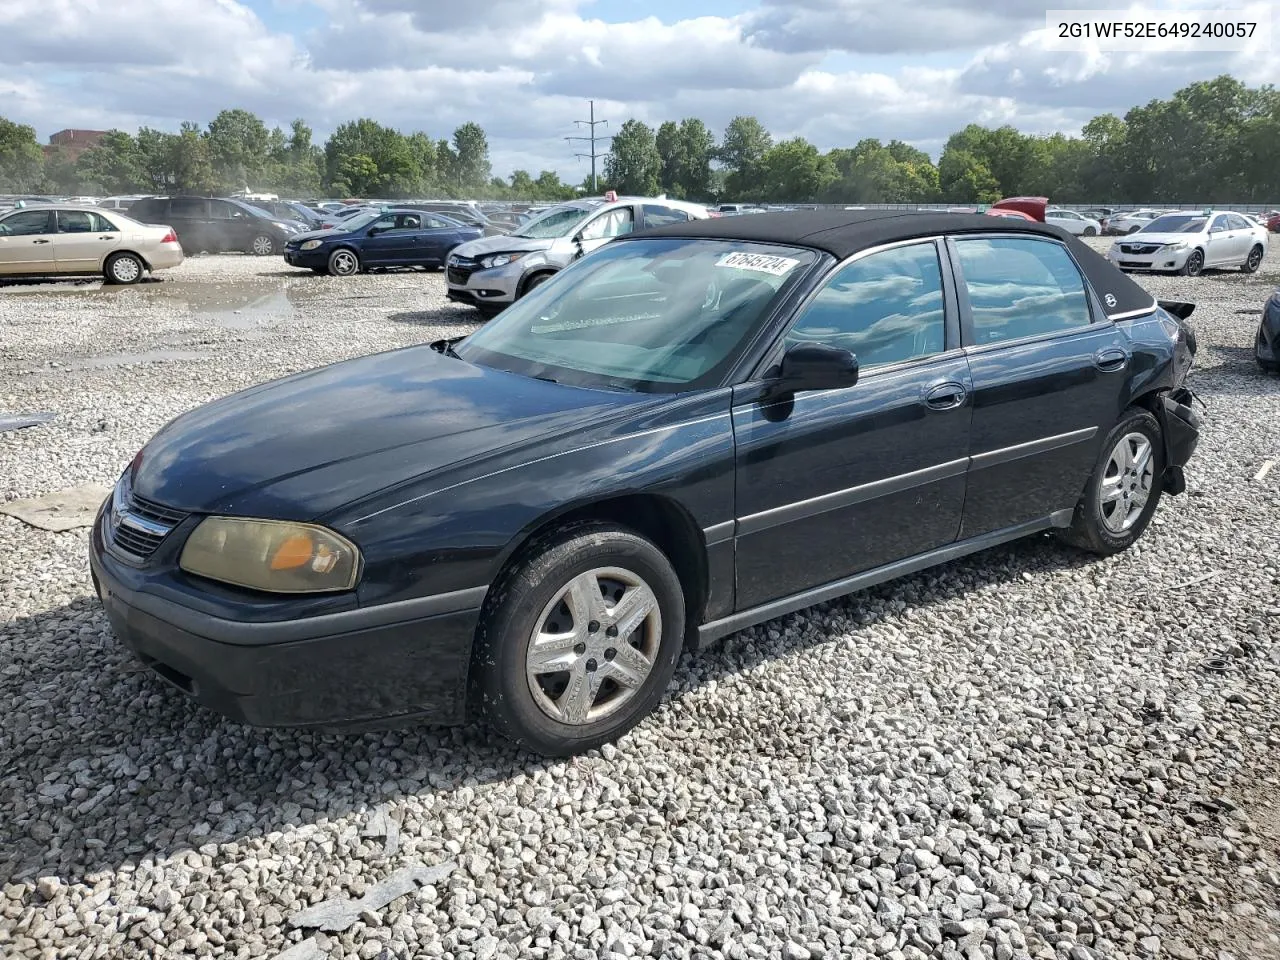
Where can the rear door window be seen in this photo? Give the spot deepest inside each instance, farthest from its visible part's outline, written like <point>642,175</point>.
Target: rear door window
<point>1021,288</point>
<point>656,216</point>
<point>189,208</point>
<point>78,221</point>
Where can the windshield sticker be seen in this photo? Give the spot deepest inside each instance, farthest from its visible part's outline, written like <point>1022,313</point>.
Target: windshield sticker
<point>760,262</point>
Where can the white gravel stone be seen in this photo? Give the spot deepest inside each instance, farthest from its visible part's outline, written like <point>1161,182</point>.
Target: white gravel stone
<point>1017,755</point>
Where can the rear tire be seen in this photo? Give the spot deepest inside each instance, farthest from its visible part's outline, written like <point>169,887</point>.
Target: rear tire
<point>262,245</point>
<point>1124,489</point>
<point>589,683</point>
<point>1090,232</point>
<point>122,269</point>
<point>1254,260</point>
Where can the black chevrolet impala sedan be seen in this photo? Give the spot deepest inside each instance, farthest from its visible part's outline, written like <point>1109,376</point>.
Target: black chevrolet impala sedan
<point>685,433</point>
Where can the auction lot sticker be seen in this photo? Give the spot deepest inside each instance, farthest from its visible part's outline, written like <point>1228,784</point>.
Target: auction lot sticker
<point>759,262</point>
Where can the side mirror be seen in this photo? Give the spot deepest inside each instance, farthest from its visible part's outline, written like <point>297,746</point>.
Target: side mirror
<point>815,366</point>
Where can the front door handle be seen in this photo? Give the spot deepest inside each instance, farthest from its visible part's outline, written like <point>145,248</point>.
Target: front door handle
<point>1110,361</point>
<point>946,396</point>
<point>39,241</point>
<point>106,237</point>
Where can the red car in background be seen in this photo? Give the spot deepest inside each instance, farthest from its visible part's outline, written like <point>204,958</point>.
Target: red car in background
<point>1020,208</point>
<point>1272,221</point>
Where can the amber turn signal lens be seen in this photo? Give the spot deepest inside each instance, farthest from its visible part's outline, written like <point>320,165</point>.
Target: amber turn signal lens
<point>294,552</point>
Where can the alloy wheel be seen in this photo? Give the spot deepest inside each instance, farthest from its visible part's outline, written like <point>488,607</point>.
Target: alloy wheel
<point>262,246</point>
<point>125,269</point>
<point>1255,259</point>
<point>595,645</point>
<point>344,263</point>
<point>1126,483</point>
<point>1195,263</point>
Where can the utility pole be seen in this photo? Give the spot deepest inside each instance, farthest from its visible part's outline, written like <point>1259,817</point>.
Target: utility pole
<point>591,126</point>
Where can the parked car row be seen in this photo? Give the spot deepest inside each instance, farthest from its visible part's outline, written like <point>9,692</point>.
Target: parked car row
<point>65,240</point>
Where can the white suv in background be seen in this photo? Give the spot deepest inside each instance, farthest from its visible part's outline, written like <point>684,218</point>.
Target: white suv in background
<point>1073,222</point>
<point>493,272</point>
<point>1188,241</point>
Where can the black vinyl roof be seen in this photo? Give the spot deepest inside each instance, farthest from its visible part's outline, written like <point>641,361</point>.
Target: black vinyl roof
<point>843,233</point>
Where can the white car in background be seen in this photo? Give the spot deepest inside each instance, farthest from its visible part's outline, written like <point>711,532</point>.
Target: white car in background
<point>1188,241</point>
<point>493,272</point>
<point>1131,221</point>
<point>1073,222</point>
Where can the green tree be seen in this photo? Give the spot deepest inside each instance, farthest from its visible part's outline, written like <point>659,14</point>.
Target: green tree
<point>549,187</point>
<point>633,165</point>
<point>686,150</point>
<point>964,178</point>
<point>742,152</point>
<point>522,185</point>
<point>239,146</point>
<point>189,164</point>
<point>114,164</point>
<point>794,171</point>
<point>423,149</point>
<point>21,159</point>
<point>366,159</point>
<point>471,152</point>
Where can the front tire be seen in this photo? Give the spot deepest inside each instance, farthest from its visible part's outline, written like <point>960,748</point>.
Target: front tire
<point>344,263</point>
<point>123,269</point>
<point>578,641</point>
<point>1124,490</point>
<point>1253,261</point>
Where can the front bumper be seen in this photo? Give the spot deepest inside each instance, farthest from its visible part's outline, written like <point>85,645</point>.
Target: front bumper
<point>361,667</point>
<point>468,283</point>
<point>311,259</point>
<point>1157,260</point>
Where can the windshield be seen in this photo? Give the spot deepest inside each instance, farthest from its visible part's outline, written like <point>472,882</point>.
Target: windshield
<point>659,315</point>
<point>358,221</point>
<point>556,222</point>
<point>1176,223</point>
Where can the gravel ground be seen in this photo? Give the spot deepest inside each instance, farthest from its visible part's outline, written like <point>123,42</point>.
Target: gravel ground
<point>1030,753</point>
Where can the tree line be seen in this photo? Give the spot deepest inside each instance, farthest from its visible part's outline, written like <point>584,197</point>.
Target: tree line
<point>236,151</point>
<point>1212,141</point>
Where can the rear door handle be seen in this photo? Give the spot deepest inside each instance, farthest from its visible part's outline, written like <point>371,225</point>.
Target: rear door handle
<point>1109,361</point>
<point>39,241</point>
<point>946,396</point>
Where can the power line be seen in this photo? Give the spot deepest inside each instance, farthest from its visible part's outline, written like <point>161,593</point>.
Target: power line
<point>591,125</point>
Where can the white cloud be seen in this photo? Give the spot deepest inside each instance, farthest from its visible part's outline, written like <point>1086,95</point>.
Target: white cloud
<point>524,68</point>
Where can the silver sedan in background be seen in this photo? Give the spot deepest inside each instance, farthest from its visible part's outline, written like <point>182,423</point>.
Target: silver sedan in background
<point>59,240</point>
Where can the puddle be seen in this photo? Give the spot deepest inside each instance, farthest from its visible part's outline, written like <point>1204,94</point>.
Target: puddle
<point>125,359</point>
<point>237,308</point>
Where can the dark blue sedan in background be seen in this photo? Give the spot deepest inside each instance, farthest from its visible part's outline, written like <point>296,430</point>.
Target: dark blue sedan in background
<point>378,239</point>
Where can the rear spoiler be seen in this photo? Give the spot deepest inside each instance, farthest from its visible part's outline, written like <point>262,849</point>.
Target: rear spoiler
<point>1179,308</point>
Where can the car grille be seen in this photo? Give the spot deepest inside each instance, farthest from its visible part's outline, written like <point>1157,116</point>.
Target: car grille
<point>1134,263</point>
<point>1139,248</point>
<point>460,269</point>
<point>138,525</point>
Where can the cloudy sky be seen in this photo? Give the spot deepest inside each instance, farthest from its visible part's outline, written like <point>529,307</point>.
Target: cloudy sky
<point>833,71</point>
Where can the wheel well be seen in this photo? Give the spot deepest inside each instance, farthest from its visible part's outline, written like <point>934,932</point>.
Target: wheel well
<point>657,518</point>
<point>133,253</point>
<point>525,281</point>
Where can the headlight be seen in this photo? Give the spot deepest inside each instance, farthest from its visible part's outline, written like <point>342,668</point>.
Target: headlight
<point>310,245</point>
<point>273,555</point>
<point>1179,245</point>
<point>499,259</point>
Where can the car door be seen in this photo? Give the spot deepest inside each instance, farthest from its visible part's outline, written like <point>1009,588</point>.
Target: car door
<point>436,238</point>
<point>1048,373</point>
<point>604,227</point>
<point>831,483</point>
<point>26,242</point>
<point>231,227</point>
<point>189,217</point>
<point>1219,242</point>
<point>380,245</point>
<point>1241,236</point>
<point>82,241</point>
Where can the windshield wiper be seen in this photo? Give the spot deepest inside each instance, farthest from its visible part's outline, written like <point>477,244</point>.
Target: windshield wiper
<point>446,347</point>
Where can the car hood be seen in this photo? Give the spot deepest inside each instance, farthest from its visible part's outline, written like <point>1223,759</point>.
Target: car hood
<point>502,244</point>
<point>304,446</point>
<point>318,235</point>
<point>1141,237</point>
